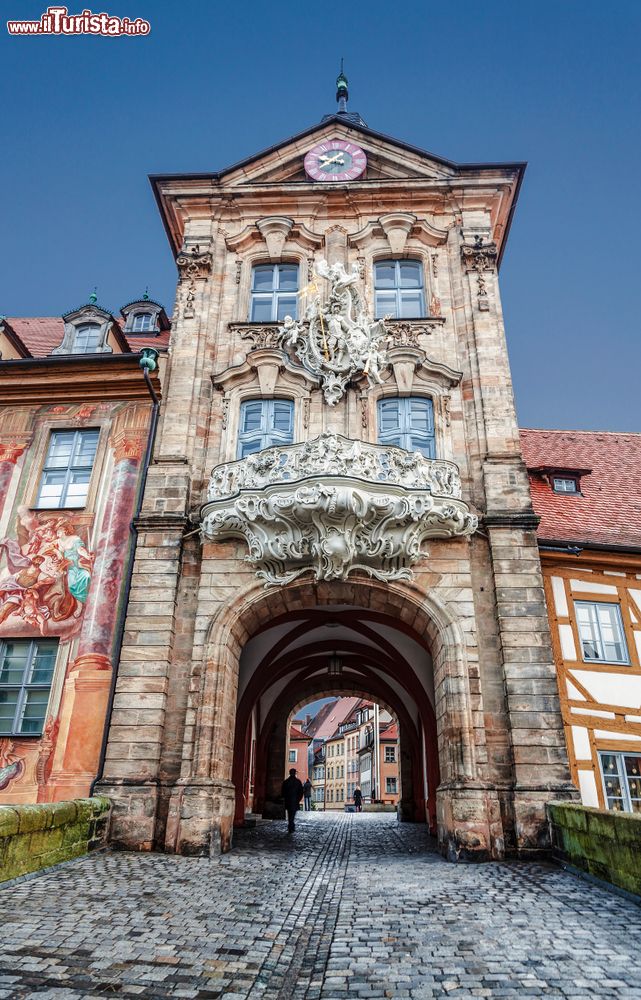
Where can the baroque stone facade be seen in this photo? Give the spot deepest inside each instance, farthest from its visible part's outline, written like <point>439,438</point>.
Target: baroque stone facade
<point>330,561</point>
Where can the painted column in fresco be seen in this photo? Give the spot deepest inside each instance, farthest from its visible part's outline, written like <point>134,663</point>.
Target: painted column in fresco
<point>10,452</point>
<point>86,693</point>
<point>111,548</point>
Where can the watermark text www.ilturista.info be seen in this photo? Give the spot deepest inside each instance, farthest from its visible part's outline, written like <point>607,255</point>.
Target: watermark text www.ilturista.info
<point>58,21</point>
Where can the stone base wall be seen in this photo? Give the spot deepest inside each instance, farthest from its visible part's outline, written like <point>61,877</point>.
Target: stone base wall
<point>603,843</point>
<point>36,836</point>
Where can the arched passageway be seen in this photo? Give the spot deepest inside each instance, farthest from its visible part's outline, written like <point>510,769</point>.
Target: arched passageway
<point>293,659</point>
<point>269,650</point>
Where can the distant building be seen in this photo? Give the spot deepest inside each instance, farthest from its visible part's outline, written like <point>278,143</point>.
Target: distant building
<point>297,751</point>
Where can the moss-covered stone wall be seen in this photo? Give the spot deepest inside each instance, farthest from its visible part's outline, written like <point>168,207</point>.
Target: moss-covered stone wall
<point>604,843</point>
<point>35,836</point>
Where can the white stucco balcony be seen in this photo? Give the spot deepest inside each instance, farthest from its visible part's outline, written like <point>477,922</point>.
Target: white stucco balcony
<point>333,506</point>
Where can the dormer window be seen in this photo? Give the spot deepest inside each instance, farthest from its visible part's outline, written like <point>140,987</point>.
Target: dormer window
<point>88,339</point>
<point>142,322</point>
<point>565,484</point>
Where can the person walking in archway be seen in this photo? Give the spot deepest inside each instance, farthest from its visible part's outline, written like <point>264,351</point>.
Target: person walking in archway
<point>307,790</point>
<point>292,792</point>
<point>358,800</point>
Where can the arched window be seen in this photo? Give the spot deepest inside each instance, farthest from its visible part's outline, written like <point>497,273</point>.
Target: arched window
<point>398,289</point>
<point>264,423</point>
<point>142,322</point>
<point>273,292</point>
<point>87,339</point>
<point>407,422</point>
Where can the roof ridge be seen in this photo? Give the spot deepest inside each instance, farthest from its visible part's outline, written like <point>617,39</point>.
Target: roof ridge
<point>570,430</point>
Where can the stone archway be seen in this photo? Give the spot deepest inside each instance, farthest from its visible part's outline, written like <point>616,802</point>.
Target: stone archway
<point>416,786</point>
<point>204,801</point>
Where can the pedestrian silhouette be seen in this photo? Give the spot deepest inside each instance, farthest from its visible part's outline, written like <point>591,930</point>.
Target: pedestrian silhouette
<point>292,793</point>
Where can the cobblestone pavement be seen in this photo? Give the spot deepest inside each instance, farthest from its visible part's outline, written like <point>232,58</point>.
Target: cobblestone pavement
<point>349,904</point>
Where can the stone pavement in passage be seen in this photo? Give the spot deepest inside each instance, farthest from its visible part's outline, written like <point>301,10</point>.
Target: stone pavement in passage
<point>349,904</point>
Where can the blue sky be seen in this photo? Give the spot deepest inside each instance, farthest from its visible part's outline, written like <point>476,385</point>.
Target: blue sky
<point>84,120</point>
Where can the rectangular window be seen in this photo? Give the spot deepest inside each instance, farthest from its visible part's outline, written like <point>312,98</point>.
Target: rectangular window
<point>292,756</point>
<point>601,631</point>
<point>622,781</point>
<point>265,423</point>
<point>562,485</point>
<point>407,422</point>
<point>390,755</point>
<point>26,671</point>
<point>67,470</point>
<point>398,289</point>
<point>142,322</point>
<point>87,339</point>
<point>390,786</point>
<point>274,293</point>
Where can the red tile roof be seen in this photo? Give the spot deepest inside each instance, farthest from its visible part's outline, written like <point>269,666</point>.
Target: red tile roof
<point>296,734</point>
<point>389,733</point>
<point>40,334</point>
<point>608,509</point>
<point>330,716</point>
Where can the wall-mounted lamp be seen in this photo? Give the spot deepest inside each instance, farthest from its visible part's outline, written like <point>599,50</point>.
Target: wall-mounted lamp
<point>335,665</point>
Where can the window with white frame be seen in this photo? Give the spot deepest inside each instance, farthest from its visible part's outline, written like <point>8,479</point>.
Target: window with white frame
<point>274,293</point>
<point>390,786</point>
<point>390,755</point>
<point>142,322</point>
<point>407,422</point>
<point>26,672</point>
<point>621,781</point>
<point>66,473</point>
<point>398,289</point>
<point>88,339</point>
<point>601,631</point>
<point>293,754</point>
<point>265,423</point>
<point>564,484</point>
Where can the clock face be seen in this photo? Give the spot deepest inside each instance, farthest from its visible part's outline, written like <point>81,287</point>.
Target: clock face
<point>335,160</point>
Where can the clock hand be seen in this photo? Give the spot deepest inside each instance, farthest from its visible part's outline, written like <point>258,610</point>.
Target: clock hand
<point>331,159</point>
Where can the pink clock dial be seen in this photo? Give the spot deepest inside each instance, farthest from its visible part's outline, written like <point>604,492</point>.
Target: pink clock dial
<point>335,160</point>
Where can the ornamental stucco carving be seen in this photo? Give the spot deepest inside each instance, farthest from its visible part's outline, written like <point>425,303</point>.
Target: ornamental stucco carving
<point>336,339</point>
<point>479,256</point>
<point>332,506</point>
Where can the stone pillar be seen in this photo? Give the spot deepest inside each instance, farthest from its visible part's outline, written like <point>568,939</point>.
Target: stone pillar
<point>540,766</point>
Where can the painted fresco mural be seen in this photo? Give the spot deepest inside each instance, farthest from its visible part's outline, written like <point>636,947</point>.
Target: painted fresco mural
<point>46,575</point>
<point>61,575</point>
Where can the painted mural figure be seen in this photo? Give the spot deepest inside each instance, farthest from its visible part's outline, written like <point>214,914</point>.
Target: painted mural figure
<point>49,572</point>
